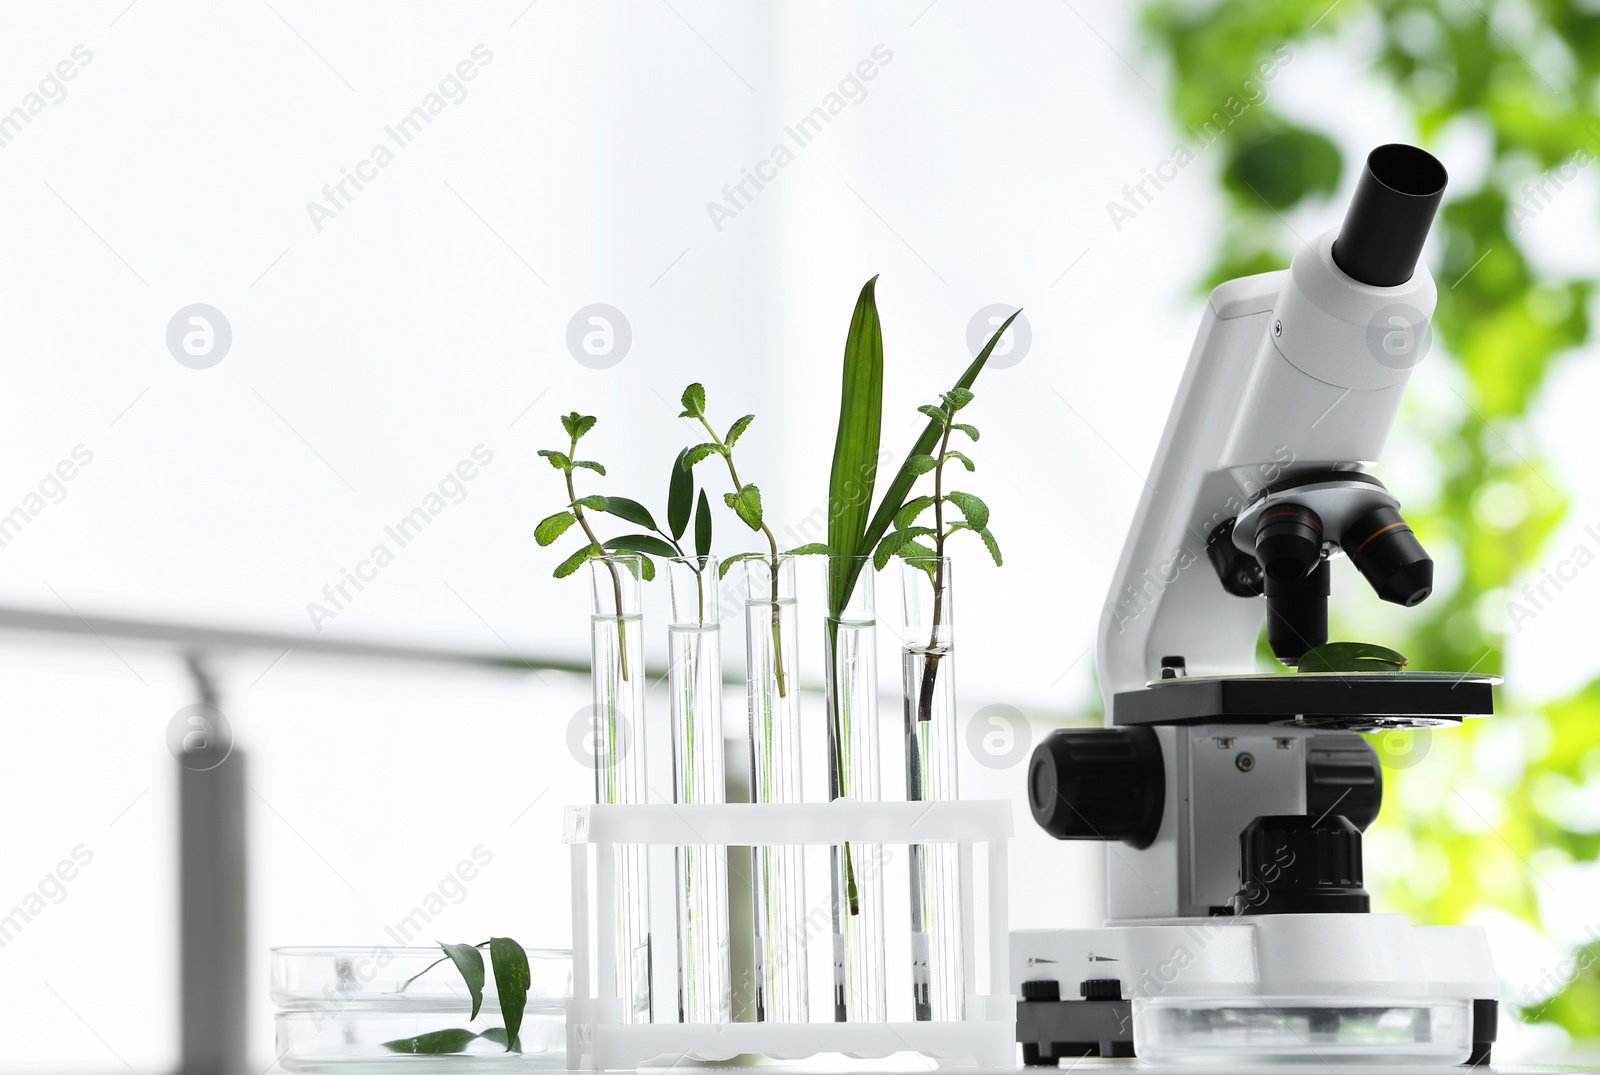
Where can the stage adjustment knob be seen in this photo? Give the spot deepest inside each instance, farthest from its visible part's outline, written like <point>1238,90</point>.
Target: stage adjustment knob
<point>1098,784</point>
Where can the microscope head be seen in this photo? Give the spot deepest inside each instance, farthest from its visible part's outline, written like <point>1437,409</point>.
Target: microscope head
<point>1280,545</point>
<point>1291,390</point>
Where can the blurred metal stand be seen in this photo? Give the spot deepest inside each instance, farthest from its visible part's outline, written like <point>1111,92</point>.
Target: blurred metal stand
<point>212,900</point>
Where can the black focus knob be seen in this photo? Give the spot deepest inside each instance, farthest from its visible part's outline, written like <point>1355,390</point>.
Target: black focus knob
<point>1343,773</point>
<point>1098,784</point>
<point>1288,541</point>
<point>1294,864</point>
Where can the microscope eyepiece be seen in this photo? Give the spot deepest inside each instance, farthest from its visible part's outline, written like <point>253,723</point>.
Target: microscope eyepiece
<point>1389,217</point>
<point>1288,541</point>
<point>1387,553</point>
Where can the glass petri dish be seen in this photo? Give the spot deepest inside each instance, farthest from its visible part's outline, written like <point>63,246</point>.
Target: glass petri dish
<point>337,1007</point>
<point>1315,1030</point>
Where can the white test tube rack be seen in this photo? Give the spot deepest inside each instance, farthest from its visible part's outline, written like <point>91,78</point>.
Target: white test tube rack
<point>599,1040</point>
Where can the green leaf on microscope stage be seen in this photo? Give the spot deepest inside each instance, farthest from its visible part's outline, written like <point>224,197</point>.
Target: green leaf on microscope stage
<point>1351,657</point>
<point>511,980</point>
<point>433,1043</point>
<point>469,961</point>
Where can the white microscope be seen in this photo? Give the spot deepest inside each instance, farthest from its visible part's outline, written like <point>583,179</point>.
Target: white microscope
<point>1232,803</point>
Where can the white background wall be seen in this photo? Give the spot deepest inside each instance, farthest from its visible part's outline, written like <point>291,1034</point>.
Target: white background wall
<point>430,316</point>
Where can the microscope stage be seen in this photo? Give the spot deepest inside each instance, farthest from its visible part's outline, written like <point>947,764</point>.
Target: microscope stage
<point>1357,701</point>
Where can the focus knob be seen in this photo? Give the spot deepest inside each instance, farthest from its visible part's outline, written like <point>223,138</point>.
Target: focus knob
<point>1292,864</point>
<point>1098,784</point>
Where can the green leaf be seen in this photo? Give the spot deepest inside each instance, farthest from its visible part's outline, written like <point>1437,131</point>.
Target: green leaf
<point>908,514</point>
<point>469,961</point>
<point>1351,657</point>
<point>920,463</point>
<point>558,460</point>
<point>694,455</point>
<point>934,412</point>
<point>590,464</point>
<point>511,981</point>
<point>854,473</point>
<point>953,454</point>
<point>642,543</point>
<point>815,548</point>
<point>895,496</point>
<point>957,398</point>
<point>694,401</point>
<point>736,430</point>
<point>967,428</point>
<point>975,510</point>
<point>577,560</point>
<point>993,546</point>
<point>680,497</point>
<point>497,1034</point>
<point>747,502</point>
<point>577,424</point>
<point>702,526</point>
<point>722,572</point>
<point>433,1043</point>
<point>894,542</point>
<point>552,527</point>
<point>631,510</point>
<point>595,502</point>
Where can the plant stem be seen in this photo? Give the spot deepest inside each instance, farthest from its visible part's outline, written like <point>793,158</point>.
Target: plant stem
<point>616,580</point>
<point>772,542</point>
<point>930,668</point>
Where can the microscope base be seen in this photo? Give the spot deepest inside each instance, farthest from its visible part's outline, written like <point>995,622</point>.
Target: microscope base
<point>1317,988</point>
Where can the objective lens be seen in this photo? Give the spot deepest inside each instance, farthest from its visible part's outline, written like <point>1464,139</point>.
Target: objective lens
<point>1387,553</point>
<point>1288,541</point>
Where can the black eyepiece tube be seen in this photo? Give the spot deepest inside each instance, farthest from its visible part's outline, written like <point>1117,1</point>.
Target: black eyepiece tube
<point>1389,217</point>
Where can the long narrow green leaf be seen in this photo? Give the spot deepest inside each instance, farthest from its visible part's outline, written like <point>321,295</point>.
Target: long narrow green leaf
<point>855,448</point>
<point>894,497</point>
<point>680,497</point>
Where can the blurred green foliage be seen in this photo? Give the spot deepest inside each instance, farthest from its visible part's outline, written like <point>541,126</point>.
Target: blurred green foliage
<point>1497,805</point>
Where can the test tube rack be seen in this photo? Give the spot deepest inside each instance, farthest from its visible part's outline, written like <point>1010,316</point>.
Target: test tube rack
<point>599,1040</point>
